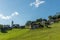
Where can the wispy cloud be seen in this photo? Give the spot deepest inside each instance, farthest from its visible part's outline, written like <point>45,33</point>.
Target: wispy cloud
<point>9,17</point>
<point>37,3</point>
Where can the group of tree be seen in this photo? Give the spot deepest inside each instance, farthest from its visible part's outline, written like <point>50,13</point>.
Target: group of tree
<point>55,17</point>
<point>45,22</point>
<point>38,23</point>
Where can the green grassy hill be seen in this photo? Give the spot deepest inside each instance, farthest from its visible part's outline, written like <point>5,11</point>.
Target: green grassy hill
<point>52,33</point>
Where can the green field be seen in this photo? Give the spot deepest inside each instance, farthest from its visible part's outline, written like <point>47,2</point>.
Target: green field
<point>52,33</point>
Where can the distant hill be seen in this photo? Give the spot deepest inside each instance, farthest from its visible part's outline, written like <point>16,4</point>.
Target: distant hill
<point>52,33</point>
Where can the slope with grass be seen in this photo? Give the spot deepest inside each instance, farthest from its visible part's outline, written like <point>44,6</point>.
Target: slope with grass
<point>52,33</point>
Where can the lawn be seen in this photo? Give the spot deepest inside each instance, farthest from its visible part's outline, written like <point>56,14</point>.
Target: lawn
<point>52,33</point>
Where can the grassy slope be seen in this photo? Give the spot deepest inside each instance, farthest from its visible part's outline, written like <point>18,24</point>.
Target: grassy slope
<point>37,34</point>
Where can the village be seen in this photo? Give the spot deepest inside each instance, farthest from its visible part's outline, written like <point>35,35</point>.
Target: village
<point>39,23</point>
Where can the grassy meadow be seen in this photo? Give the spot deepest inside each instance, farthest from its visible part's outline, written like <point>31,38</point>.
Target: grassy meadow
<point>52,33</point>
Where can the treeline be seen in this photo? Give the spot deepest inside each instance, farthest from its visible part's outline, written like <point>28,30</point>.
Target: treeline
<point>38,23</point>
<point>44,22</point>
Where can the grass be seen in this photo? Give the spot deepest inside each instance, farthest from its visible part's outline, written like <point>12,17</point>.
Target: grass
<point>36,34</point>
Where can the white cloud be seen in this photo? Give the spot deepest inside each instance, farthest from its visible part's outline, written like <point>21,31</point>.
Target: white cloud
<point>37,3</point>
<point>9,17</point>
<point>15,13</point>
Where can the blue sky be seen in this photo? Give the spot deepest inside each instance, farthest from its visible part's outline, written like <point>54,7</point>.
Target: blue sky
<point>21,11</point>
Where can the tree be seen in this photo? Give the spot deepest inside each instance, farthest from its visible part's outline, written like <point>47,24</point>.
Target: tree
<point>39,20</point>
<point>3,30</point>
<point>54,17</point>
<point>1,25</point>
<point>44,20</point>
<point>50,17</point>
<point>58,16</point>
<point>28,23</point>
